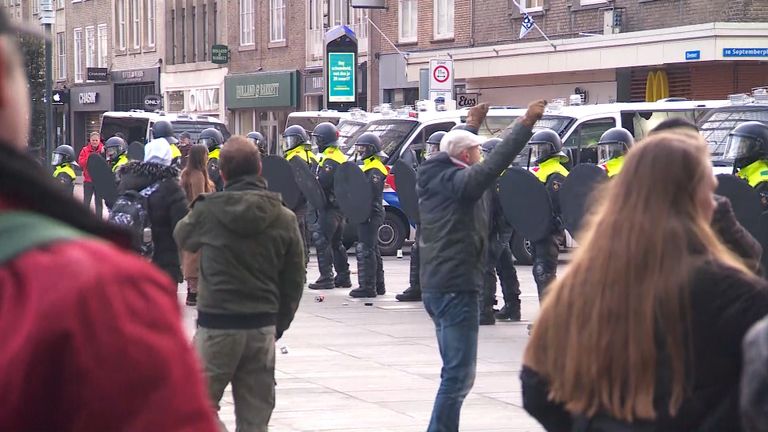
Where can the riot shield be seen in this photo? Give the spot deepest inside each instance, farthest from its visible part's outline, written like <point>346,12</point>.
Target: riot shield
<point>307,183</point>
<point>353,192</point>
<point>103,178</point>
<point>279,175</point>
<point>576,194</point>
<point>405,182</point>
<point>526,203</point>
<point>136,151</point>
<point>745,202</point>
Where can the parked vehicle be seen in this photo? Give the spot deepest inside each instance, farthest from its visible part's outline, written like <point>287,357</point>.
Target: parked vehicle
<point>136,125</point>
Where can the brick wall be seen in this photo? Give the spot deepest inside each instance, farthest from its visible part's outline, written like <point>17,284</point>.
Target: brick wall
<point>82,15</point>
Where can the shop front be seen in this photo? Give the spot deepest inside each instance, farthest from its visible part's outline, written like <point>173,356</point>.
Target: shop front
<point>313,90</point>
<point>87,104</point>
<point>261,102</point>
<point>133,86</point>
<point>195,92</point>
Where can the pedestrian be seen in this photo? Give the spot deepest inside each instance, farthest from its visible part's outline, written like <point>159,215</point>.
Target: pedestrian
<point>93,146</point>
<point>185,145</point>
<point>328,232</point>
<point>90,333</point>
<point>157,180</point>
<point>370,267</point>
<point>253,261</point>
<point>454,226</point>
<point>194,181</point>
<point>64,161</point>
<point>648,320</point>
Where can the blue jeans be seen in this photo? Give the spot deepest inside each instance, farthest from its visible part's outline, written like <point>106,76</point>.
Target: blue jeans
<point>456,324</point>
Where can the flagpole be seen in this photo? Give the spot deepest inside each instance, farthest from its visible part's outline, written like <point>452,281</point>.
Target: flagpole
<point>520,8</point>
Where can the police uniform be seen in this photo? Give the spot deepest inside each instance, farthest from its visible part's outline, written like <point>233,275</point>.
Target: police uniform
<point>65,174</point>
<point>612,148</point>
<point>213,140</point>
<point>175,156</point>
<point>303,209</point>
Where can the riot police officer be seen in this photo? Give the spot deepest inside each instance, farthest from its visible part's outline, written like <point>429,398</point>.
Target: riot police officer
<point>613,145</point>
<point>258,140</point>
<point>115,150</point>
<point>327,233</point>
<point>747,147</point>
<point>64,161</point>
<point>370,270</point>
<point>213,139</point>
<point>413,292</point>
<point>296,144</point>
<point>547,155</point>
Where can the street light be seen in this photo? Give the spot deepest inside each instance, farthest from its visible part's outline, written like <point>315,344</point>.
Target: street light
<point>47,19</point>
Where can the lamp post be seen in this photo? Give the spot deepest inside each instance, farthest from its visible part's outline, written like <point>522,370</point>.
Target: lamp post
<point>47,19</point>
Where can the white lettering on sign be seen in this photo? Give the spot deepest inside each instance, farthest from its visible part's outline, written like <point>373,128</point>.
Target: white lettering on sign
<point>204,99</point>
<point>88,98</point>
<point>251,91</point>
<point>317,82</point>
<point>133,74</point>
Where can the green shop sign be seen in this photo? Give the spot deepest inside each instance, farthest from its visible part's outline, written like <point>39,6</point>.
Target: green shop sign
<point>262,90</point>
<point>341,76</point>
<point>220,54</point>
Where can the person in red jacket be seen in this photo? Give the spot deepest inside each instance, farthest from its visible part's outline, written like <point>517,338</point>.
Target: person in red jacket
<point>83,347</point>
<point>94,145</point>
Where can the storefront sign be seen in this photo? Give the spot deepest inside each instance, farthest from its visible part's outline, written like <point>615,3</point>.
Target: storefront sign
<point>88,98</point>
<point>466,100</point>
<point>220,54</point>
<point>99,97</point>
<point>202,100</point>
<point>175,101</point>
<point>259,90</point>
<point>96,74</point>
<point>745,52</point>
<point>59,97</point>
<point>313,84</point>
<point>341,77</point>
<point>132,75</point>
<point>153,102</point>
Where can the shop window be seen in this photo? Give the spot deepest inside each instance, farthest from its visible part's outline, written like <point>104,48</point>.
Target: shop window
<point>410,96</point>
<point>389,96</point>
<point>277,20</point>
<point>246,22</point>
<point>408,17</point>
<point>443,19</point>
<point>245,123</point>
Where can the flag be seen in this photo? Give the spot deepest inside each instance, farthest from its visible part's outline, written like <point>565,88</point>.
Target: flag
<point>526,25</point>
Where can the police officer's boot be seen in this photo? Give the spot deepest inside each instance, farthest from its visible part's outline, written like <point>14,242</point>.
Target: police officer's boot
<point>510,287</point>
<point>545,264</point>
<point>413,292</point>
<point>340,263</point>
<point>366,272</point>
<point>509,312</point>
<point>324,262</point>
<point>380,288</point>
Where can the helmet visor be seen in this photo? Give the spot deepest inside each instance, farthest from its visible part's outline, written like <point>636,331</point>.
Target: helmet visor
<point>608,151</point>
<point>208,142</point>
<point>254,141</point>
<point>432,149</point>
<point>57,159</point>
<point>540,150</point>
<point>739,147</point>
<point>112,152</point>
<point>292,141</point>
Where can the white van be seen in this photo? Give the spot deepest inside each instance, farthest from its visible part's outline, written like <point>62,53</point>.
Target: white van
<point>136,125</point>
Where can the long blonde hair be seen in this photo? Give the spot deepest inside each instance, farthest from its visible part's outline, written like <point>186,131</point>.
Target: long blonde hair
<point>596,340</point>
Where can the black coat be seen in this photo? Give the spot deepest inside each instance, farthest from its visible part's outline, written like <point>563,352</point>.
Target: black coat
<point>167,206</point>
<point>724,304</point>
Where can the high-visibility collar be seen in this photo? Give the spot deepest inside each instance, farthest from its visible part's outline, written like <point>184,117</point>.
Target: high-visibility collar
<point>613,166</point>
<point>755,173</point>
<point>214,154</point>
<point>549,167</point>
<point>306,155</point>
<point>175,152</point>
<point>65,168</point>
<point>122,160</point>
<point>373,162</point>
<point>334,154</point>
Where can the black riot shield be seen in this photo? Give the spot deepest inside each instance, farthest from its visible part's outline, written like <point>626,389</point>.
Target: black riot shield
<point>745,202</point>
<point>353,192</point>
<point>280,179</point>
<point>103,178</point>
<point>405,182</point>
<point>307,183</point>
<point>526,203</point>
<point>136,151</point>
<point>576,193</point>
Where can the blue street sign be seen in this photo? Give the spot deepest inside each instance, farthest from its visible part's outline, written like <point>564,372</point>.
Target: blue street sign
<point>745,52</point>
<point>693,55</point>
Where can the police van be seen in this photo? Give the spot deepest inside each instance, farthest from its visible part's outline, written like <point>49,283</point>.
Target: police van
<point>136,125</point>
<point>403,133</point>
<point>348,122</point>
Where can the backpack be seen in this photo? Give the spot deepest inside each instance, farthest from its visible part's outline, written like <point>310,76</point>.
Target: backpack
<point>131,210</point>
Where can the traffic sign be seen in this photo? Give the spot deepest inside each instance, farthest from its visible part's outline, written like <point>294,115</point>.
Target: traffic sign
<point>441,75</point>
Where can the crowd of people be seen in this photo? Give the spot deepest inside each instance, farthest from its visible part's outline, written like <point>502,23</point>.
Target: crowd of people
<point>658,324</point>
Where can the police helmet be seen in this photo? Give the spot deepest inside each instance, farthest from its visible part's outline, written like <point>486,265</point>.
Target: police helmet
<point>295,136</point>
<point>211,138</point>
<point>62,154</point>
<point>164,129</point>
<point>489,145</point>
<point>433,142</point>
<point>369,144</point>
<point>114,147</point>
<point>747,143</point>
<point>545,144</point>
<point>258,140</point>
<point>325,135</point>
<point>613,143</point>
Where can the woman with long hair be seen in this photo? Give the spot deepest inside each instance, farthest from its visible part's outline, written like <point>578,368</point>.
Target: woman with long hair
<point>643,331</point>
<point>194,181</point>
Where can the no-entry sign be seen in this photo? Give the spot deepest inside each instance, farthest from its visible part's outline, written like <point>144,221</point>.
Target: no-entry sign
<point>441,75</point>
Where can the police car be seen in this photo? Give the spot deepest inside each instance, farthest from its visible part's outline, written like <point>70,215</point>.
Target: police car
<point>136,125</point>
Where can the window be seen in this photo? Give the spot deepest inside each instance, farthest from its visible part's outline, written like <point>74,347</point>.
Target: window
<point>35,7</point>
<point>194,33</point>
<point>90,47</point>
<point>183,35</point>
<point>215,22</point>
<point>103,53</point>
<point>78,32</point>
<point>61,53</point>
<point>150,33</point>
<point>205,32</point>
<point>120,13</point>
<point>246,22</point>
<point>408,20</point>
<point>135,24</point>
<point>59,4</point>
<point>276,20</point>
<point>531,5</point>
<point>443,18</point>
<point>315,14</point>
<point>585,138</point>
<point>173,37</point>
<point>592,2</point>
<point>339,12</point>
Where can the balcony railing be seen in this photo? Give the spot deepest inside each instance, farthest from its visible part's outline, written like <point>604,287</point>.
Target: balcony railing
<point>315,43</point>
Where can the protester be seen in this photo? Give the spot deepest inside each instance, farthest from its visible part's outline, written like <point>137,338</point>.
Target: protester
<point>253,261</point>
<point>185,146</point>
<point>194,181</point>
<point>93,146</point>
<point>158,180</point>
<point>91,335</point>
<point>453,238</point>
<point>648,320</point>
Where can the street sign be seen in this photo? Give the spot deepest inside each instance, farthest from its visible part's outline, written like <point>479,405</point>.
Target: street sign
<point>441,75</point>
<point>341,77</point>
<point>153,102</point>
<point>745,52</point>
<point>444,95</point>
<point>467,100</point>
<point>693,55</point>
<point>220,54</point>
<point>96,74</point>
